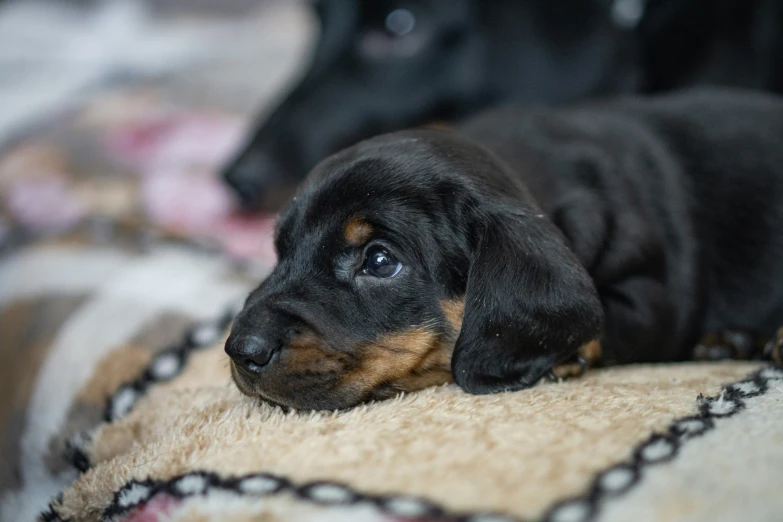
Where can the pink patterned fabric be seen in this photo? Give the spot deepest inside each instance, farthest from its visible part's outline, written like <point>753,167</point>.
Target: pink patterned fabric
<point>184,201</point>
<point>179,158</point>
<point>156,510</point>
<point>43,203</point>
<point>160,169</point>
<point>178,139</point>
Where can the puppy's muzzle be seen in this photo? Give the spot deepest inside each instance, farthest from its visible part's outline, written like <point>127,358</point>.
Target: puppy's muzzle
<point>251,353</point>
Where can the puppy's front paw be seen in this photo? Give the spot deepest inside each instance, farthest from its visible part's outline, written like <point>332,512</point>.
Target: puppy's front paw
<point>730,344</point>
<point>588,355</point>
<point>774,348</point>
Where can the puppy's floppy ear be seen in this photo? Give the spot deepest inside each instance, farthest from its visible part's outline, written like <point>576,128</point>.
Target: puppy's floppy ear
<point>529,304</point>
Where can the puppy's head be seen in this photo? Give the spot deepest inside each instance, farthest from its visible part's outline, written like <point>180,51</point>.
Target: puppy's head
<point>407,261</point>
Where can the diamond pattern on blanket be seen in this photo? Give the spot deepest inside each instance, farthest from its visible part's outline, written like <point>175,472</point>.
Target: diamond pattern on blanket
<point>514,453</point>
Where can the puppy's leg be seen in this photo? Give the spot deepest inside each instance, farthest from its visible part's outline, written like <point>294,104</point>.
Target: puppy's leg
<point>588,355</point>
<point>640,326</point>
<point>774,349</point>
<point>731,344</point>
<point>625,256</point>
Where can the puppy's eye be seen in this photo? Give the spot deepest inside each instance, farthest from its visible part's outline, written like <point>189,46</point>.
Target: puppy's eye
<point>380,263</point>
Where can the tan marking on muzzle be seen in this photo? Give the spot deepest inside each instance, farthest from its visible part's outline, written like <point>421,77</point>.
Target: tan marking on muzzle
<point>357,231</point>
<point>308,352</point>
<point>407,361</point>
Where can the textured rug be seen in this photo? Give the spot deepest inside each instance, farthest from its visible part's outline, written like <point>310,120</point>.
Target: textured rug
<point>679,442</point>
<point>77,320</point>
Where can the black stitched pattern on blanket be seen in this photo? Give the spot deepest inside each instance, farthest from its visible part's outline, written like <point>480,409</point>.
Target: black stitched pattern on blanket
<point>611,483</point>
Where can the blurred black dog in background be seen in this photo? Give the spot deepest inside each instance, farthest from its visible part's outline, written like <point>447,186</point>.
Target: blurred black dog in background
<point>383,65</point>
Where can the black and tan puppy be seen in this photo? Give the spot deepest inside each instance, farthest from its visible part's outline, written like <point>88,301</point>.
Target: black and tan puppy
<point>490,254</point>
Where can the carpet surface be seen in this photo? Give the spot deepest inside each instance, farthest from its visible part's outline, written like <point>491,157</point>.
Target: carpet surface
<point>669,442</point>
<point>77,320</point>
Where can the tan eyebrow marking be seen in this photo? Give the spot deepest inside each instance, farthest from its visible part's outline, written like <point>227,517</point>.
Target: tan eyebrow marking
<point>357,231</point>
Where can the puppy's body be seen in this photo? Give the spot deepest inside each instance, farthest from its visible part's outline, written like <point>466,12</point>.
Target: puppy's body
<point>499,250</point>
<point>672,204</point>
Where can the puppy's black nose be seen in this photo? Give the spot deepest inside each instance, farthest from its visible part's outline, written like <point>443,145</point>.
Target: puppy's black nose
<point>250,352</point>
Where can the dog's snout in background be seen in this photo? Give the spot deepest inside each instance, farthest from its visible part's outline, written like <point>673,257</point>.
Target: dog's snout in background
<point>259,181</point>
<point>388,65</point>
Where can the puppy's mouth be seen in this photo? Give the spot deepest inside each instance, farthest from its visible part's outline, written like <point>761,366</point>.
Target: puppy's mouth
<point>319,397</point>
<point>246,383</point>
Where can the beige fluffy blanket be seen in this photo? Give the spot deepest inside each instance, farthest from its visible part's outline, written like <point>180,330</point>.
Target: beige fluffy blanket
<point>674,442</point>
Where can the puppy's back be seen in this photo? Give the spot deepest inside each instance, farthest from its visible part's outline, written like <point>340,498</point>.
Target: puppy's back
<point>730,145</point>
<point>705,166</point>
